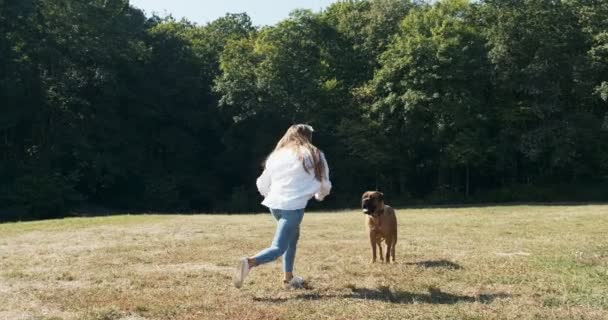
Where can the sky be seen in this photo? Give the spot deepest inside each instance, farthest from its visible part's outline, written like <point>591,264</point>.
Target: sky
<point>262,12</point>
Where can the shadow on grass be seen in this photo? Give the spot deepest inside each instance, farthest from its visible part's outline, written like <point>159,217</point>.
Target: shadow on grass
<point>304,296</point>
<point>434,296</point>
<point>436,264</point>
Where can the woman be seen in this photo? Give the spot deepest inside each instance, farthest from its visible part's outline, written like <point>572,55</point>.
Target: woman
<point>294,172</point>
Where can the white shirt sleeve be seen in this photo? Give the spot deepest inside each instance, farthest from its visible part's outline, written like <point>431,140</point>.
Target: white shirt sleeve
<point>325,183</point>
<point>263,181</point>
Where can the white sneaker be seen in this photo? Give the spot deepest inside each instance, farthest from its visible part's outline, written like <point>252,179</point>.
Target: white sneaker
<point>240,273</point>
<point>295,283</point>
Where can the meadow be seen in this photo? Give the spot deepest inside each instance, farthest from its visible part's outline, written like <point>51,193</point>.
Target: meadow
<point>504,262</point>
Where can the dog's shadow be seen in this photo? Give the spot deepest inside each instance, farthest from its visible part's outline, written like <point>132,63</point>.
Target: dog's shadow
<point>431,264</point>
<point>434,296</point>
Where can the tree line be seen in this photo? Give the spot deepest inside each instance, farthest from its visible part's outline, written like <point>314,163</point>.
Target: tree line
<point>454,101</point>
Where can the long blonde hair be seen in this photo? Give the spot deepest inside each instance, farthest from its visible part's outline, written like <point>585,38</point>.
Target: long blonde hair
<point>298,137</point>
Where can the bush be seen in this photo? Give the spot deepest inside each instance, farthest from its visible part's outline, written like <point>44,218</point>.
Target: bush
<point>161,194</point>
<point>242,199</point>
<point>44,196</point>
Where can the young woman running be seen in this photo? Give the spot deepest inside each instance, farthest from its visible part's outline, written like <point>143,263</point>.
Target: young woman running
<point>294,172</point>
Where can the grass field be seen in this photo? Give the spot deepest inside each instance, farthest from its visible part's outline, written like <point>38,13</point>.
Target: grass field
<point>518,262</point>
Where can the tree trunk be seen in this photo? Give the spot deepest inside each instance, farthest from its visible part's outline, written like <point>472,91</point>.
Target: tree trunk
<point>468,181</point>
<point>402,178</point>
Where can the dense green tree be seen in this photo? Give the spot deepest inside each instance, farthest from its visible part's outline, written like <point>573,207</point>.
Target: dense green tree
<point>549,116</point>
<point>432,91</point>
<point>284,74</point>
<point>368,28</point>
<point>442,101</point>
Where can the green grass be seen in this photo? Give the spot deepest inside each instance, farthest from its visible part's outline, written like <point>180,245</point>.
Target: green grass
<point>519,262</point>
<point>71,224</point>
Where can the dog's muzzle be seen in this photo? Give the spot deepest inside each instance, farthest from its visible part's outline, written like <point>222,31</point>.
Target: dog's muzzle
<point>367,209</point>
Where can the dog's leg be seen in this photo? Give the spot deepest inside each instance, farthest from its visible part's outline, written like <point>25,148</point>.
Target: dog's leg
<point>393,249</point>
<point>389,249</point>
<point>380,250</point>
<point>372,240</point>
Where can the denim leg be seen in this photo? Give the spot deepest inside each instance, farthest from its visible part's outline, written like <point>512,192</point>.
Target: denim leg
<point>287,228</point>
<point>290,254</point>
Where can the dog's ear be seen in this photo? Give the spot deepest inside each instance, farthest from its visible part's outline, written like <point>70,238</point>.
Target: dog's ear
<point>380,196</point>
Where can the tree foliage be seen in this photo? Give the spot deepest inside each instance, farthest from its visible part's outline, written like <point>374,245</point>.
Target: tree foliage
<point>444,102</point>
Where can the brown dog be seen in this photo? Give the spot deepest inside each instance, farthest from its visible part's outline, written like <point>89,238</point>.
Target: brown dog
<point>381,224</point>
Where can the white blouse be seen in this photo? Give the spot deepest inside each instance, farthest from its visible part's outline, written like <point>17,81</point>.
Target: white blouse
<point>285,184</point>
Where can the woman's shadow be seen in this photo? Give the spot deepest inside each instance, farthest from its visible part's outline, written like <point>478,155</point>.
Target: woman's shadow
<point>434,296</point>
<point>428,264</point>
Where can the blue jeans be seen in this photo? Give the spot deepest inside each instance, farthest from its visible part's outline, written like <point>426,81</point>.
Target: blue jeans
<point>285,238</point>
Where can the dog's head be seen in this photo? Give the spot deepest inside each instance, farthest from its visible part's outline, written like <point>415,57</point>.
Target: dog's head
<point>372,201</point>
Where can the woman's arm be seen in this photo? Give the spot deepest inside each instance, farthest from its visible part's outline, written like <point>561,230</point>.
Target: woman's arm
<point>325,183</point>
<point>263,181</point>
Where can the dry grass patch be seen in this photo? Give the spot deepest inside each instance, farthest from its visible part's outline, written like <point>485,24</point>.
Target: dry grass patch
<point>520,262</point>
